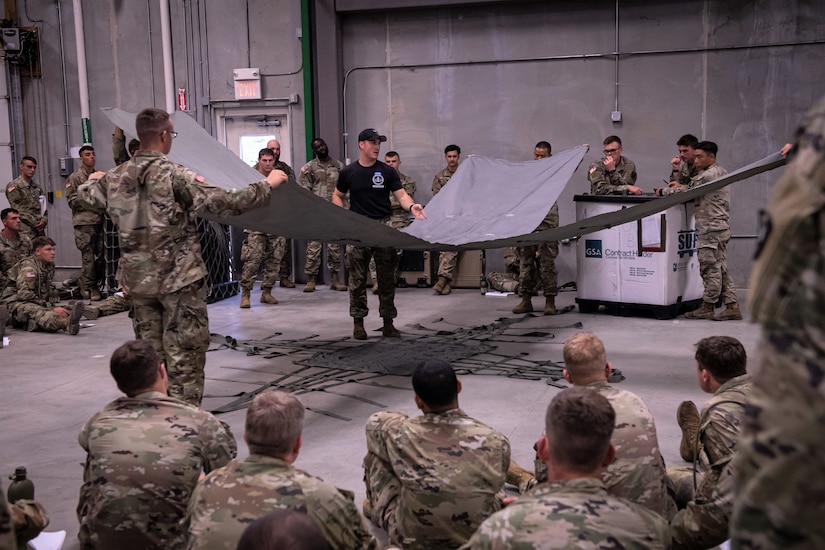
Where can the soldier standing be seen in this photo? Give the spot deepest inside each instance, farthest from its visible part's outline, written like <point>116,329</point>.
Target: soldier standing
<point>447,260</point>
<point>615,173</point>
<point>431,480</point>
<point>261,249</point>
<point>144,454</point>
<point>320,176</point>
<point>229,499</point>
<point>369,183</point>
<point>574,510</point>
<point>88,228</point>
<point>24,195</point>
<point>546,252</point>
<point>712,236</point>
<point>682,166</point>
<point>162,269</point>
<point>285,269</point>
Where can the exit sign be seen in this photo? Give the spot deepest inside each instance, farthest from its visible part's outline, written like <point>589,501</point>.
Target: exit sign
<point>247,84</point>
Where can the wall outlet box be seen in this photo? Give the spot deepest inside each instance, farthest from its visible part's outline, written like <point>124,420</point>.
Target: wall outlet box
<point>616,116</point>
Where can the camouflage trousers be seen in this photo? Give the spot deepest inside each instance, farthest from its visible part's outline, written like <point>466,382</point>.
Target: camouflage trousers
<point>681,484</point>
<point>89,241</point>
<point>778,469</point>
<point>502,282</point>
<point>177,325</point>
<point>313,265</point>
<point>358,261</point>
<point>258,250</point>
<point>538,262</point>
<point>447,260</point>
<point>285,269</point>
<point>383,486</point>
<point>45,317</point>
<point>713,266</point>
<point>397,222</point>
<point>114,304</point>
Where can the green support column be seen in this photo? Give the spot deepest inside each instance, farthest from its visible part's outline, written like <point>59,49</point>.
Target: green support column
<point>306,54</point>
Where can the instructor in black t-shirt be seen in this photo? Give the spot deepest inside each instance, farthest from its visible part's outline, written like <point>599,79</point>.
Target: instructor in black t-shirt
<point>369,183</point>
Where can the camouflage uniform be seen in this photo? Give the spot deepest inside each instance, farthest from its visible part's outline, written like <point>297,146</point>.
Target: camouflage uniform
<point>114,304</point>
<point>704,521</point>
<point>502,282</point>
<point>25,197</point>
<point>684,174</point>
<point>603,182</point>
<point>7,541</point>
<point>447,259</point>
<point>399,219</point>
<point>228,500</point>
<point>546,261</point>
<point>27,294</point>
<point>12,252</point>
<point>285,269</point>
<point>431,480</point>
<point>119,152</point>
<point>261,249</point>
<point>144,456</point>
<point>155,204</point>
<point>320,178</point>
<point>20,522</point>
<point>88,233</point>
<point>779,478</point>
<point>638,473</point>
<point>575,513</point>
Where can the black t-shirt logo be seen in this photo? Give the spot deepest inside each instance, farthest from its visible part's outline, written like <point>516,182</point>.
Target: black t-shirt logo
<point>378,180</point>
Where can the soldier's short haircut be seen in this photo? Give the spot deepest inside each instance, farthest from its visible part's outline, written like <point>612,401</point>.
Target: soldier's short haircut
<point>452,147</point>
<point>578,425</point>
<point>85,148</point>
<point>544,145</point>
<point>723,356</point>
<point>584,355</point>
<point>40,242</point>
<point>134,366</point>
<point>150,123</point>
<point>707,146</point>
<point>266,152</point>
<point>283,530</point>
<point>610,139</point>
<point>134,145</point>
<point>27,157</point>
<point>688,140</point>
<point>6,211</point>
<point>274,422</point>
<point>392,154</point>
<point>435,383</point>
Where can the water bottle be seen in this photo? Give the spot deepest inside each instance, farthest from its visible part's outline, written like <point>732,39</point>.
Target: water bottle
<point>21,487</point>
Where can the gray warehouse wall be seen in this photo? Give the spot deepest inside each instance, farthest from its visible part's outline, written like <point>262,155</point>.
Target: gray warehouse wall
<point>125,69</point>
<point>460,75</point>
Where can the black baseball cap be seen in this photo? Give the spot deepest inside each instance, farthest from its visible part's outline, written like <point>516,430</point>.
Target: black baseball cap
<point>371,134</point>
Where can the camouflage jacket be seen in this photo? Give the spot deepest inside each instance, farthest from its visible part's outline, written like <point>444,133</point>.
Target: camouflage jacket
<point>25,197</point>
<point>684,174</point>
<point>576,513</point>
<point>229,499</point>
<point>155,203</point>
<point>12,252</point>
<point>603,182</point>
<point>321,177</point>
<point>80,215</point>
<point>638,473</point>
<point>30,281</point>
<point>713,209</point>
<point>451,468</point>
<point>144,456</point>
<point>719,427</point>
<point>401,217</point>
<point>441,179</point>
<point>119,152</point>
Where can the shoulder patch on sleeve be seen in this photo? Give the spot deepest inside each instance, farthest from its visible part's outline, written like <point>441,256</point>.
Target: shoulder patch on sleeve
<point>200,178</point>
<point>10,189</point>
<point>30,274</point>
<point>592,169</point>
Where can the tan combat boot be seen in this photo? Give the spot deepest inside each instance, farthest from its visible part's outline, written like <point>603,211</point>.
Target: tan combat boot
<point>358,331</point>
<point>439,285</point>
<point>334,283</point>
<point>310,286</point>
<point>731,313</point>
<point>389,329</point>
<point>95,295</point>
<point>245,299</point>
<point>267,297</point>
<point>705,311</point>
<point>73,321</point>
<point>286,282</point>
<point>447,288</point>
<point>550,305</point>
<point>375,286</point>
<point>521,478</point>
<point>687,415</point>
<point>525,306</point>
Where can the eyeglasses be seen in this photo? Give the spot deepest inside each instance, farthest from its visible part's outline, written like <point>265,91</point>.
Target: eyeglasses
<point>611,151</point>
<point>173,134</point>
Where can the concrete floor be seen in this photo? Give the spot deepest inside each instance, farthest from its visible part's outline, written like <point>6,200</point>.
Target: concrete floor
<point>52,383</point>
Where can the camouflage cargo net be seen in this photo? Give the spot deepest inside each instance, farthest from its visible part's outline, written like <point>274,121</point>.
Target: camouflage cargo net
<point>325,364</point>
<point>215,247</point>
